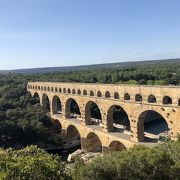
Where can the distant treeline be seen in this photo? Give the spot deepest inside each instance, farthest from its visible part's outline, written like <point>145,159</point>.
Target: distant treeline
<point>159,73</point>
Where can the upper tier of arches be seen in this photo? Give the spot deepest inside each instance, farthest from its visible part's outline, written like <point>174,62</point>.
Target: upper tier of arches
<point>127,96</point>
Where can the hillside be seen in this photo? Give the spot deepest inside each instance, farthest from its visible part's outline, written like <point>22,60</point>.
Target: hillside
<point>92,67</point>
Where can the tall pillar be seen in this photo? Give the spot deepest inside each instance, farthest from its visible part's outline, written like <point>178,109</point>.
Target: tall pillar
<point>137,129</point>
<point>82,110</point>
<point>83,144</point>
<point>40,99</point>
<point>64,109</point>
<point>104,122</point>
<point>105,149</point>
<point>86,117</point>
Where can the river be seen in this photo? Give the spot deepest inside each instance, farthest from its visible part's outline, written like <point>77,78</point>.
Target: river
<point>63,153</point>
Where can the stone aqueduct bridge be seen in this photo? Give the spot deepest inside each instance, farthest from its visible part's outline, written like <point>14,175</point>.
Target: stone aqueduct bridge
<point>135,100</point>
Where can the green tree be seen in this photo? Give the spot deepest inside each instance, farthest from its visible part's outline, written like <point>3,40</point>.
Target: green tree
<point>31,163</point>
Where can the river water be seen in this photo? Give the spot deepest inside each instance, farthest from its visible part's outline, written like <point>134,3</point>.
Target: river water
<point>63,153</point>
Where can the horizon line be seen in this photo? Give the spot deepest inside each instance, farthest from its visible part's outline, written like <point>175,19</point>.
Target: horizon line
<point>66,66</point>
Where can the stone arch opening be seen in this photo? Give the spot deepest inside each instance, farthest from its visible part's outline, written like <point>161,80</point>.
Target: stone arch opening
<point>56,89</point>
<point>92,114</point>
<point>69,91</point>
<point>46,103</point>
<point>73,91</point>
<point>116,146</point>
<point>36,98</point>
<point>57,125</point>
<point>179,102</point>
<point>48,88</point>
<point>118,119</point>
<point>52,89</point>
<point>79,91</point>
<point>167,100</point>
<point>60,90</point>
<point>44,88</point>
<point>64,90</point>
<point>107,94</point>
<point>72,133</point>
<point>93,143</point>
<point>116,95</point>
<point>91,93</point>
<point>152,126</point>
<point>127,96</point>
<point>99,94</point>
<point>84,92</point>
<point>138,98</point>
<point>56,105</point>
<point>72,109</point>
<point>73,138</point>
<point>151,99</point>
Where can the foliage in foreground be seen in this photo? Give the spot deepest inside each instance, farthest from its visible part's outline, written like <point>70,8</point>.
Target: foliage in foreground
<point>138,163</point>
<point>30,163</point>
<point>158,163</point>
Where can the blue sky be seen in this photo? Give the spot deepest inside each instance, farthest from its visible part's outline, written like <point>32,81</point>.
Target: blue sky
<point>42,33</point>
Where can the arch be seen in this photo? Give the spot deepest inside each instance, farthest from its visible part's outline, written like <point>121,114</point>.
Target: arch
<point>57,125</point>
<point>45,88</point>
<point>36,98</point>
<point>127,96</point>
<point>117,119</point>
<point>72,133</point>
<point>56,105</point>
<point>60,90</point>
<point>167,100</point>
<point>138,98</point>
<point>48,88</point>
<point>73,91</point>
<point>64,90</point>
<point>73,138</point>
<point>78,91</point>
<point>151,126</point>
<point>38,87</point>
<point>92,113</point>
<point>91,93</point>
<point>116,146</point>
<point>107,94</point>
<point>72,109</point>
<point>41,88</point>
<point>179,102</point>
<point>69,91</point>
<point>93,143</point>
<point>116,95</point>
<point>52,89</point>
<point>84,92</point>
<point>151,99</point>
<point>46,103</point>
<point>99,94</point>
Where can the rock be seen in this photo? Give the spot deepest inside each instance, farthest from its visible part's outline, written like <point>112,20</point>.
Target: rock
<point>72,156</point>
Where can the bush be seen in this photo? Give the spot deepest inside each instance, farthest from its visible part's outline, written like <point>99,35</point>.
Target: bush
<point>161,163</point>
<point>30,163</point>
